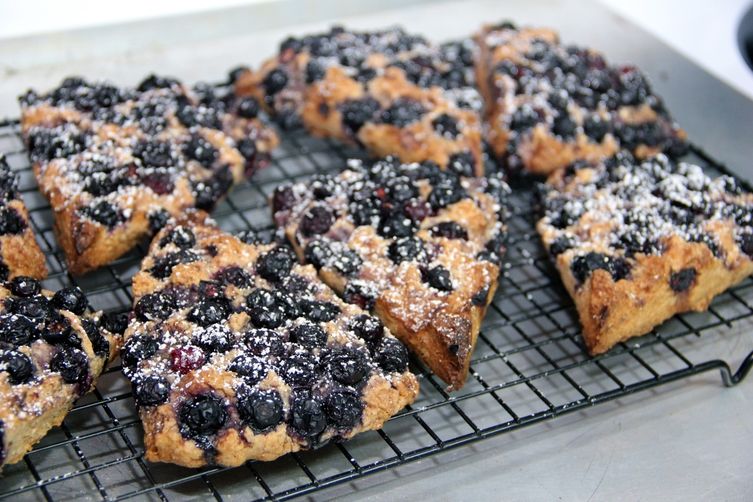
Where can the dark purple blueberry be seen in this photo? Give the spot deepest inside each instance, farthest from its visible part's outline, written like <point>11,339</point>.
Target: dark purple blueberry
<point>58,331</point>
<point>524,117</point>
<point>446,125</point>
<point>114,322</point>
<point>403,112</point>
<point>391,355</point>
<point>322,186</point>
<point>275,81</point>
<point>215,338</point>
<point>24,286</point>
<point>560,245</point>
<point>154,307</point>
<point>164,265</point>
<point>208,192</point>
<point>365,211</point>
<point>154,153</point>
<point>396,224</point>
<point>356,112</point>
<point>158,219</point>
<point>247,108</point>
<point>583,266</point>
<point>314,71</point>
<point>4,271</point>
<point>318,253</point>
<point>347,262</point>
<point>234,74</point>
<point>138,348</point>
<point>449,230</point>
<point>185,359</point>
<point>18,366</point>
<point>261,409</point>
<point>564,126</point>
<point>182,237</point>
<point>283,198</point>
<point>438,278</point>
<point>446,192</point>
<point>202,415</point>
<point>156,82</point>
<point>248,149</point>
<point>288,119</point>
<point>462,164</point>
<point>367,327</point>
<point>308,335</point>
<point>264,309</point>
<point>104,213</point>
<point>595,127</point>
<point>316,220</point>
<point>298,369</point>
<point>45,145</point>
<point>682,281</point>
<point>347,366</point>
<point>72,364</point>
<point>745,241</point>
<point>36,308</point>
<point>275,265</point>
<point>209,311</point>
<point>99,184</point>
<point>235,276</point>
<point>252,369</point>
<point>400,189</point>
<point>480,297</point>
<point>407,249</point>
<point>11,222</point>
<point>361,294</point>
<point>72,299</point>
<point>201,150</point>
<point>204,116</point>
<point>151,390</point>
<point>308,417</point>
<point>17,330</point>
<point>100,345</point>
<point>319,311</point>
<point>344,408</point>
<point>264,342</point>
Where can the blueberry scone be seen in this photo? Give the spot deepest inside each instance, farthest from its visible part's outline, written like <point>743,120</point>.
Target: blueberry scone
<point>388,91</point>
<point>637,242</point>
<point>19,252</point>
<point>419,246</point>
<point>117,163</point>
<point>51,352</point>
<point>236,352</point>
<point>548,105</point>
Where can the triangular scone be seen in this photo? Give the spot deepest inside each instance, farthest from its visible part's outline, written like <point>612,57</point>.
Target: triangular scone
<point>419,246</point>
<point>392,92</point>
<point>637,242</point>
<point>51,353</point>
<point>236,353</point>
<point>19,251</point>
<point>116,163</point>
<point>549,104</point>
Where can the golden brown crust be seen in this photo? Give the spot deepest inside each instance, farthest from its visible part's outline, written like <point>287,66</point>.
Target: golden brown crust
<point>439,325</point>
<point>662,267</point>
<point>541,121</point>
<point>103,148</point>
<point>381,393</point>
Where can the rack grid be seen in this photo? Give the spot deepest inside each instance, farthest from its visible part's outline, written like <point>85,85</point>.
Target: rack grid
<point>529,364</point>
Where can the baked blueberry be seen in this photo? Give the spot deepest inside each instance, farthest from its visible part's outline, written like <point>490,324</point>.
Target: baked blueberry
<point>344,408</point>
<point>24,286</point>
<point>367,327</point>
<point>299,368</point>
<point>319,311</point>
<point>154,153</point>
<point>261,409</point>
<point>450,230</point>
<point>158,219</point>
<point>582,266</point>
<point>182,237</point>
<point>275,265</point>
<point>307,415</point>
<point>361,294</point>
<point>347,262</point>
<point>36,308</point>
<point>186,358</point>
<point>391,355</point>
<point>264,342</point>
<point>400,189</point>
<point>403,112</point>
<point>407,249</point>
<point>201,150</point>
<point>17,330</point>
<point>314,71</point>
<point>396,224</point>
<point>114,322</point>
<point>58,331</point>
<point>560,245</point>
<point>104,213</point>
<point>283,198</point>
<point>72,299</point>
<point>446,125</point>
<point>318,253</point>
<point>235,276</point>
<point>18,365</point>
<point>308,335</point>
<point>71,363</point>
<point>317,220</point>
<point>100,345</point>
<point>275,81</point>
<point>138,348</point>
<point>214,338</point>
<point>264,309</point>
<point>164,265</point>
<point>247,107</point>
<point>462,164</point>
<point>151,390</point>
<point>446,192</point>
<point>202,415</point>
<point>252,369</point>
<point>523,118</point>
<point>438,277</point>
<point>745,241</point>
<point>347,366</point>
<point>356,112</point>
<point>209,311</point>
<point>682,280</point>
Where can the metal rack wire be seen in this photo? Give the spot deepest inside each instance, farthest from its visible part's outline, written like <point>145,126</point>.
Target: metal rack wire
<point>529,364</point>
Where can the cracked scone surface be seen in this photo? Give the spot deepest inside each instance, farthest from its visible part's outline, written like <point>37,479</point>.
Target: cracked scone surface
<point>392,92</point>
<point>117,163</point>
<point>237,353</point>
<point>419,246</point>
<point>637,242</point>
<point>51,352</point>
<point>550,104</point>
<point>19,252</point>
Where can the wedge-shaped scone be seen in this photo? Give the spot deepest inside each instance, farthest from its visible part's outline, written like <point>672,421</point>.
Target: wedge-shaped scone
<point>19,251</point>
<point>237,353</point>
<point>392,92</point>
<point>51,353</point>
<point>636,243</point>
<point>548,105</point>
<point>419,246</point>
<point>116,163</point>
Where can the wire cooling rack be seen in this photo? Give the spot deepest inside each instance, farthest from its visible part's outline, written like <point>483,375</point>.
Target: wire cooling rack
<point>529,364</point>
